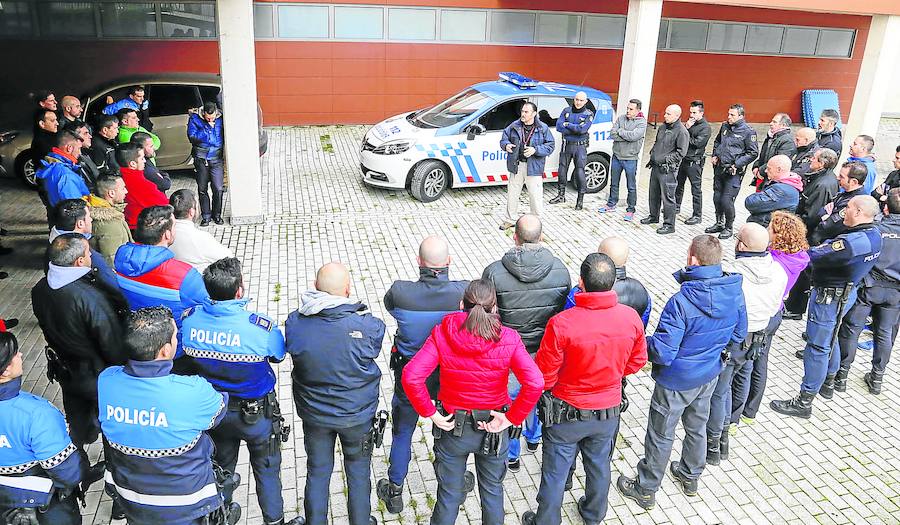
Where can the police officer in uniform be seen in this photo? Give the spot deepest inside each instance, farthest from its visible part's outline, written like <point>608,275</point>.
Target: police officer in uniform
<point>734,149</point>
<point>838,265</point>
<point>155,423</point>
<point>691,169</point>
<point>39,466</point>
<point>574,123</point>
<point>232,349</point>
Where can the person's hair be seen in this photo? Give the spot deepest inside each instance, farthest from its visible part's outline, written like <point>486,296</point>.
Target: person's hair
<point>479,301</point>
<point>106,183</point>
<point>128,153</point>
<point>182,202</point>
<point>893,201</point>
<point>69,212</point>
<point>788,232</point>
<point>827,157</point>
<point>898,149</point>
<point>529,231</point>
<point>139,138</point>
<point>147,330</point>
<point>66,137</point>
<point>74,126</point>
<point>41,95</point>
<point>9,346</point>
<point>598,272</point>
<point>532,104</point>
<point>153,222</point>
<point>784,119</point>
<point>868,142</point>
<point>856,170</point>
<point>707,250</point>
<point>697,104</point>
<point>831,115</point>
<point>105,121</point>
<point>223,278</point>
<point>738,107</point>
<point>134,89</point>
<point>209,107</point>
<point>66,249</point>
<point>636,102</point>
<point>123,112</point>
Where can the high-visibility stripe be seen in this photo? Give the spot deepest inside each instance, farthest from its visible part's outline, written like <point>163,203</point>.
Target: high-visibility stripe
<point>35,483</point>
<point>181,500</point>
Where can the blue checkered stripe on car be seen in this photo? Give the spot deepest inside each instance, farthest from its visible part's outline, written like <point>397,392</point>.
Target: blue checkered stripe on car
<point>455,155</point>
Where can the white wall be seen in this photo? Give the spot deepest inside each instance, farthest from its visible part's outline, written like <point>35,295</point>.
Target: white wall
<point>892,104</point>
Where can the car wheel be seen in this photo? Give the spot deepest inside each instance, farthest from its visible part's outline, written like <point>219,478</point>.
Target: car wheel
<point>25,169</point>
<point>596,172</point>
<point>429,181</point>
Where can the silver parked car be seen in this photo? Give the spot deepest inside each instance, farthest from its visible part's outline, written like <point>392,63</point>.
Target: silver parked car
<point>171,96</point>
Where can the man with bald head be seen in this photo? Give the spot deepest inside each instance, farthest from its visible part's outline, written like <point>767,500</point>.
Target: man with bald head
<point>334,342</point>
<point>779,141</point>
<point>838,265</point>
<point>574,124</point>
<point>71,110</point>
<point>417,306</point>
<point>807,146</point>
<point>780,192</point>
<point>665,158</point>
<point>763,283</point>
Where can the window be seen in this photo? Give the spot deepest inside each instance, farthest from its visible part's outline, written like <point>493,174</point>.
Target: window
<point>688,35</point>
<point>558,29</point>
<point>131,20</point>
<point>800,41</point>
<point>726,37</point>
<point>606,31</point>
<point>359,23</point>
<point>210,94</point>
<point>549,109</point>
<point>503,115</point>
<point>516,28</point>
<point>764,39</point>
<point>67,19</point>
<point>411,24</point>
<point>302,21</point>
<point>263,23</point>
<point>15,19</point>
<point>188,20</point>
<point>663,34</point>
<point>463,26</point>
<point>171,100</point>
<point>835,43</point>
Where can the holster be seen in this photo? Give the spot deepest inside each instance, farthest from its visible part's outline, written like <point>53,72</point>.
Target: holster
<point>379,425</point>
<point>281,432</point>
<point>57,369</point>
<point>20,516</point>
<point>549,409</point>
<point>252,410</point>
<point>625,403</point>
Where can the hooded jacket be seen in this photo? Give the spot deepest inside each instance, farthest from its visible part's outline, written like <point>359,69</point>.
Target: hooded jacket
<point>473,371</point>
<point>61,178</point>
<point>832,140</point>
<point>141,194</point>
<point>869,161</point>
<point>819,188</point>
<point>532,286</point>
<point>696,325</point>
<point>630,292</point>
<point>207,140</point>
<point>109,229</point>
<point>628,136</point>
<point>782,195</point>
<point>763,284</point>
<point>793,264</point>
<point>334,342</point>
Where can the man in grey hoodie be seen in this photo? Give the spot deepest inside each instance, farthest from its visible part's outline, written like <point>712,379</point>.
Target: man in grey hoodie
<point>628,136</point>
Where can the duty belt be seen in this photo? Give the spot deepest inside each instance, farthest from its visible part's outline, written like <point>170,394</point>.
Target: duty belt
<point>236,403</point>
<point>582,142</point>
<point>553,411</point>
<point>828,294</point>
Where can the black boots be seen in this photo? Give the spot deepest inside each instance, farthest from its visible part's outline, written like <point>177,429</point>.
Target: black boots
<point>579,204</point>
<point>800,406</point>
<point>873,380</point>
<point>713,452</point>
<point>840,379</point>
<point>715,228</point>
<point>391,495</point>
<point>560,196</point>
<point>827,390</point>
<point>723,445</point>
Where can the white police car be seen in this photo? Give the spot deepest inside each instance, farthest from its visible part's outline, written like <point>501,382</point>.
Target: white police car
<point>456,143</point>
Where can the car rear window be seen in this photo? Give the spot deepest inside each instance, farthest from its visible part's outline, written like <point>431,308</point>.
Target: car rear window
<point>168,100</point>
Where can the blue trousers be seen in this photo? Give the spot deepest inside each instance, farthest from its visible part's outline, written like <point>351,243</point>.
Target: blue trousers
<point>615,169</point>
<point>821,357</point>
<point>883,304</point>
<point>562,442</point>
<point>403,423</point>
<point>57,512</point>
<point>266,464</point>
<point>532,430</point>
<point>319,444</point>
<point>720,402</point>
<point>749,381</point>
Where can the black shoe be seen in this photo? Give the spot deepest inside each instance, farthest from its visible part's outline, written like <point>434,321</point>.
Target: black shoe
<point>874,380</point>
<point>579,202</point>
<point>688,486</point>
<point>513,465</point>
<point>726,233</point>
<point>299,520</point>
<point>204,221</point>
<point>529,518</point>
<point>219,220</point>
<point>650,220</point>
<point>532,447</point>
<point>665,229</point>
<point>5,250</point>
<point>800,406</point>
<point>4,232</point>
<point>840,379</point>
<point>581,512</point>
<point>372,520</point>
<point>791,316</point>
<point>117,512</point>
<point>723,445</point>
<point>560,198</point>
<point>799,354</point>
<point>715,228</point>
<point>3,275</point>
<point>234,513</point>
<point>12,322</point>
<point>391,495</point>
<point>629,488</point>
<point>692,221</point>
<point>94,474</point>
<point>468,482</point>
<point>569,481</point>
<point>713,453</point>
<point>827,389</point>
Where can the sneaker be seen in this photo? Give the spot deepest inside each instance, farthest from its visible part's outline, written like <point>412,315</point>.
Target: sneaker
<point>468,482</point>
<point>204,222</point>
<point>606,209</point>
<point>629,216</point>
<point>866,345</point>
<point>513,465</point>
<point>732,429</point>
<point>688,486</point>
<point>532,447</point>
<point>506,225</point>
<point>629,488</point>
<point>747,420</point>
<point>12,322</point>
<point>529,518</point>
<point>391,495</point>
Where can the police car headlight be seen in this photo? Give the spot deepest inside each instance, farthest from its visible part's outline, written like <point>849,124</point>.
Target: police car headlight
<point>393,148</point>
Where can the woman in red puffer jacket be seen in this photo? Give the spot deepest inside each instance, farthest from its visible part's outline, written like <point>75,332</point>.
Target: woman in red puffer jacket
<point>475,353</point>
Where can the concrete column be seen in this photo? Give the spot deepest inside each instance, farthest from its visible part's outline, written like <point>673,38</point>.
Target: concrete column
<point>237,57</point>
<point>874,83</point>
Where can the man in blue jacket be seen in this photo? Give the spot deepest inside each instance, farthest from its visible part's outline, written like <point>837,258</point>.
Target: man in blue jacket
<point>861,151</point>
<point>334,343</point>
<point>527,143</point>
<point>59,174</point>
<point>573,124</point>
<point>696,325</point>
<point>417,306</point>
<point>780,191</point>
<point>205,133</point>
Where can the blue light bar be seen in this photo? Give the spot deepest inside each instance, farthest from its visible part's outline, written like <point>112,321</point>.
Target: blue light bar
<point>518,80</point>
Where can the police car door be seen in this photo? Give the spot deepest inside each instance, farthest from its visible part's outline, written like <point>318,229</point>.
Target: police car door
<point>549,109</point>
<point>489,160</point>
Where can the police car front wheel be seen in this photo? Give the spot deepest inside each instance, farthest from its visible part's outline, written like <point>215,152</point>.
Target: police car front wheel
<point>596,172</point>
<point>429,181</point>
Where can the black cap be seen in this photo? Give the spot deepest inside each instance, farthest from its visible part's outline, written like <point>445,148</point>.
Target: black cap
<point>9,347</point>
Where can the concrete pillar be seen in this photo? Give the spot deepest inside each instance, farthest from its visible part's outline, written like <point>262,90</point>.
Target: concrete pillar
<point>874,83</point>
<point>237,57</point>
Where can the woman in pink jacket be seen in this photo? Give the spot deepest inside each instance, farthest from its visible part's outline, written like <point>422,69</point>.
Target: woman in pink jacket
<point>475,353</point>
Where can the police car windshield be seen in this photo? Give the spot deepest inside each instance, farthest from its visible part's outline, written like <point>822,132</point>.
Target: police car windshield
<point>453,110</point>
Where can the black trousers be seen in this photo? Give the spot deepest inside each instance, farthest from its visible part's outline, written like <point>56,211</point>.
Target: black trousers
<point>662,193</point>
<point>576,153</point>
<point>799,295</point>
<point>210,173</point>
<point>883,304</point>
<point>725,189</point>
<point>690,171</point>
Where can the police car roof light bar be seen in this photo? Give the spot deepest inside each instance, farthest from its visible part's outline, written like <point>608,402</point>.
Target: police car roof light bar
<point>518,80</point>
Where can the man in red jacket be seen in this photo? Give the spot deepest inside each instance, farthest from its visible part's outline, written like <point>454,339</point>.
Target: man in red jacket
<point>585,353</point>
<point>141,192</point>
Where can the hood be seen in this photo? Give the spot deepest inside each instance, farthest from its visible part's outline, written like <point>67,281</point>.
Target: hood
<point>463,341</point>
<point>223,308</point>
<point>793,180</point>
<point>709,289</point>
<point>755,268</point>
<point>868,160</point>
<point>54,233</point>
<point>59,276</point>
<point>54,159</point>
<point>313,302</point>
<point>395,129</point>
<point>528,263</point>
<point>108,212</point>
<point>794,263</point>
<point>137,259</point>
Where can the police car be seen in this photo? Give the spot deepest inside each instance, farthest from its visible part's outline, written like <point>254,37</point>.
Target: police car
<point>456,144</point>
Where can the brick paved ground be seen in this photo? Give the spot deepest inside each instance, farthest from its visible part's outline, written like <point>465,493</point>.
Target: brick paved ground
<point>841,466</point>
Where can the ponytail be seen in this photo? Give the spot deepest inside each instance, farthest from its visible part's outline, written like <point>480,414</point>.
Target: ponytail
<point>479,301</point>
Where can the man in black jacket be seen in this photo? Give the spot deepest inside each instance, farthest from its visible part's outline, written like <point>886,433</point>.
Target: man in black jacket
<point>83,329</point>
<point>805,140</point>
<point>665,157</point>
<point>103,149</point>
<point>734,149</point>
<point>851,179</point>
<point>691,168</point>
<point>532,286</point>
<point>829,134</point>
<point>779,141</point>
<point>892,181</point>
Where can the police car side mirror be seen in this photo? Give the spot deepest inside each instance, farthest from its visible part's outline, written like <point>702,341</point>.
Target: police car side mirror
<point>474,130</point>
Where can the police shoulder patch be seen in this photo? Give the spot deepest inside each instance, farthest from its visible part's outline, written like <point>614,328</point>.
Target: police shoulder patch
<point>187,312</point>
<point>263,322</point>
<point>842,213</point>
<point>837,245</point>
<point>753,137</point>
